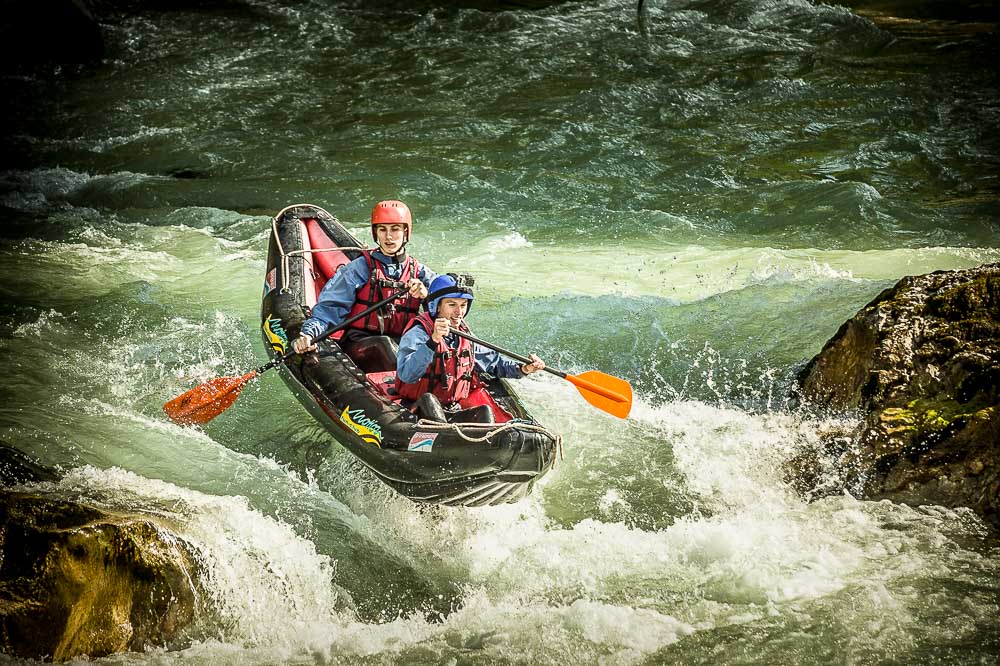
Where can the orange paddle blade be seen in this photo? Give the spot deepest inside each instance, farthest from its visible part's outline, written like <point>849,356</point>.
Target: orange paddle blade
<point>611,394</point>
<point>206,401</point>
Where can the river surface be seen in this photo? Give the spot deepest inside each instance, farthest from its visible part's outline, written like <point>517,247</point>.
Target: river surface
<point>695,206</point>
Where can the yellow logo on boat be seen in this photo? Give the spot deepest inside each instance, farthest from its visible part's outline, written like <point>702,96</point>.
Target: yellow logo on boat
<point>368,429</point>
<point>276,335</point>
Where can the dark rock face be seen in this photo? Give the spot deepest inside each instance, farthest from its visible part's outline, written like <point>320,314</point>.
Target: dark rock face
<point>75,580</point>
<point>15,468</point>
<point>922,363</point>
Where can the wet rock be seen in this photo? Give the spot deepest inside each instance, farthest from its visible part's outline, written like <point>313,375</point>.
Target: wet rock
<point>75,580</point>
<point>17,468</point>
<point>921,363</point>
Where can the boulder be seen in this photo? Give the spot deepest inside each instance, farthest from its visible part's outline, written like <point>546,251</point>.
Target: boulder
<point>921,364</point>
<point>17,468</point>
<point>76,580</point>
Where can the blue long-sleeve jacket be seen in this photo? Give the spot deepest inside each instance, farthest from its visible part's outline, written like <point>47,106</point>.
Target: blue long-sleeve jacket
<point>339,294</point>
<point>416,351</point>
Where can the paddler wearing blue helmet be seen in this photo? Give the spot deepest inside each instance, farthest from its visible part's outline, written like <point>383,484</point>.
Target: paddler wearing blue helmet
<point>436,369</point>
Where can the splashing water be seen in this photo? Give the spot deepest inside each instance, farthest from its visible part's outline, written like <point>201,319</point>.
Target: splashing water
<point>696,210</point>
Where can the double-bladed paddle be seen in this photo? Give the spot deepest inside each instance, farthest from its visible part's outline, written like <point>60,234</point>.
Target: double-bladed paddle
<point>606,392</point>
<point>206,401</point>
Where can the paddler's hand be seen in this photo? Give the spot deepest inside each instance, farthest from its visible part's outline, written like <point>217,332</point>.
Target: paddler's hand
<point>441,329</point>
<point>417,289</point>
<point>535,365</point>
<point>303,344</point>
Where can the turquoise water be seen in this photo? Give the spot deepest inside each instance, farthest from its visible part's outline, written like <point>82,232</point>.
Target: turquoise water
<point>695,210</point>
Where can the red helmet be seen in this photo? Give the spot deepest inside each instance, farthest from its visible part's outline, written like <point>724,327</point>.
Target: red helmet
<point>391,212</point>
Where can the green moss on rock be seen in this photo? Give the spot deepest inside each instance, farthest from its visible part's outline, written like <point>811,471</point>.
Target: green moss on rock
<point>922,364</point>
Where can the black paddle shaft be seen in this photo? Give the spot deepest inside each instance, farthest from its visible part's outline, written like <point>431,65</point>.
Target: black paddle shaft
<point>505,352</point>
<point>330,331</point>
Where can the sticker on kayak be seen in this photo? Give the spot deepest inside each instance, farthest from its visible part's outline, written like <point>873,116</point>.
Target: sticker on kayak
<point>276,335</point>
<point>269,282</point>
<point>368,429</point>
<point>422,441</point>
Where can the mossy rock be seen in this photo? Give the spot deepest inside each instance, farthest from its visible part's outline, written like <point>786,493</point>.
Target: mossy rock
<point>921,363</point>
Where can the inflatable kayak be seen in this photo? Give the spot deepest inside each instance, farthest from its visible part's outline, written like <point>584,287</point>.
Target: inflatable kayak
<point>467,464</point>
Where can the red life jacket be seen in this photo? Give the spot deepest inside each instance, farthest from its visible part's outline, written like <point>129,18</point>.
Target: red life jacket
<point>389,319</point>
<point>451,373</point>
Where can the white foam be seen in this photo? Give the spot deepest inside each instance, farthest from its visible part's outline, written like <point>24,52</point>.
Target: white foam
<point>140,134</point>
<point>41,326</point>
<point>266,584</point>
<point>511,241</point>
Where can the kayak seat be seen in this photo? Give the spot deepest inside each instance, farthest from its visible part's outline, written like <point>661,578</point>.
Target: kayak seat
<point>373,353</point>
<point>429,407</point>
<point>385,384</point>
<point>477,414</point>
<point>482,398</point>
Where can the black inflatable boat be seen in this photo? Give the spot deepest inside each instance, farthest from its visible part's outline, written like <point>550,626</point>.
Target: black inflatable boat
<point>469,464</point>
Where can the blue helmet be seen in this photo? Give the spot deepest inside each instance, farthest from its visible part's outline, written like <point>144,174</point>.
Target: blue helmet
<point>449,285</point>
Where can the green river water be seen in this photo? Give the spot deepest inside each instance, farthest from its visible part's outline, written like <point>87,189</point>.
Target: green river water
<point>695,207</point>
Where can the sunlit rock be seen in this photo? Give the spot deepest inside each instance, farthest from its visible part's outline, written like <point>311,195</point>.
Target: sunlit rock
<point>75,580</point>
<point>921,363</point>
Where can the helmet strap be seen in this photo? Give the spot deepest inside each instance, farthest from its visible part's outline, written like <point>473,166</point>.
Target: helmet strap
<point>397,258</point>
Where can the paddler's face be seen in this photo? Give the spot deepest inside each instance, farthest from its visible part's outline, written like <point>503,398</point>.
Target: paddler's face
<point>452,309</point>
<point>390,237</point>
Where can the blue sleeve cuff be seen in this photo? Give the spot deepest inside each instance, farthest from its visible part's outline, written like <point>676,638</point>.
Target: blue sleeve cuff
<point>313,328</point>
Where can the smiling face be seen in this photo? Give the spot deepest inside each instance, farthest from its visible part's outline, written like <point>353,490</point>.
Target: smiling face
<point>390,237</point>
<point>452,309</point>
